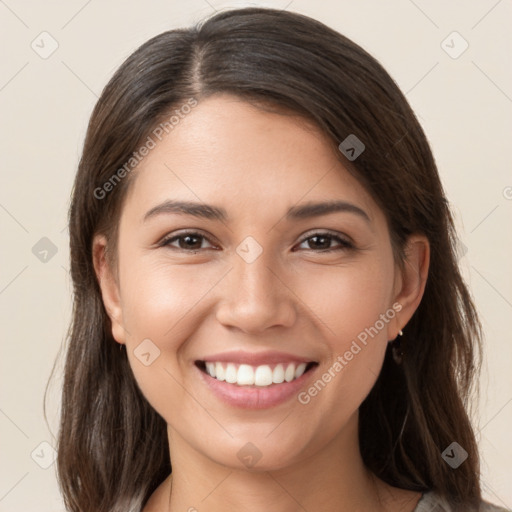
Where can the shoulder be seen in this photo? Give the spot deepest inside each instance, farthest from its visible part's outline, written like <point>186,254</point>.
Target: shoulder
<point>431,501</point>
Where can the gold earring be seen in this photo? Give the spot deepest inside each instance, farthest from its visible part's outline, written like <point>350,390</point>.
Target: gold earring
<point>396,348</point>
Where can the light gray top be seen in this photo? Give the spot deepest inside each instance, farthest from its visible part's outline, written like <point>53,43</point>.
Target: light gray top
<point>432,502</point>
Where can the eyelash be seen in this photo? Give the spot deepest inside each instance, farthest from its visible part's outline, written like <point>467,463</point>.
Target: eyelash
<point>344,244</point>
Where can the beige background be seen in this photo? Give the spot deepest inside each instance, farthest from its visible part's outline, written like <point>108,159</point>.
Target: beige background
<point>464,105</point>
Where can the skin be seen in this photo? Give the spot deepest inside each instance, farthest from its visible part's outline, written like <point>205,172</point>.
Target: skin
<point>293,298</point>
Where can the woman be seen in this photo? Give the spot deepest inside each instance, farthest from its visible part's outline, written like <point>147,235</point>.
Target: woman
<point>266,288</point>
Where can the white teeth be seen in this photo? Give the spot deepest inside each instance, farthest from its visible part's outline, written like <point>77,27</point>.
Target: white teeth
<point>231,373</point>
<point>210,368</point>
<point>300,370</point>
<point>247,375</point>
<point>263,376</point>
<point>278,374</point>
<point>289,374</point>
<point>220,373</point>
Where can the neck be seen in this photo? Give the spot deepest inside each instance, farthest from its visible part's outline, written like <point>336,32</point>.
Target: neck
<point>332,480</point>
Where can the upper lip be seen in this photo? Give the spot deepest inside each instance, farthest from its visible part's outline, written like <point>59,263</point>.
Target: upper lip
<point>256,358</point>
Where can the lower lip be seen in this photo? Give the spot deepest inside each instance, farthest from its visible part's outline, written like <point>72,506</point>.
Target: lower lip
<point>255,397</point>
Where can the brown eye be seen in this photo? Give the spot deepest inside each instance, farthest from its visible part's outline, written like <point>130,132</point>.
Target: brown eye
<point>321,242</point>
<point>189,241</point>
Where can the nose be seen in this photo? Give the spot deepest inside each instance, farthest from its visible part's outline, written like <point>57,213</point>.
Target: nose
<point>256,296</point>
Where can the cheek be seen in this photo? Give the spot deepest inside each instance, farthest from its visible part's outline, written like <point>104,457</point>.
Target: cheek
<point>159,299</point>
<point>350,299</point>
<point>162,303</point>
<point>353,305</point>
<point>158,303</point>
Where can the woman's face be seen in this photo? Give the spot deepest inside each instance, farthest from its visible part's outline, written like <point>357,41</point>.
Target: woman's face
<point>253,281</point>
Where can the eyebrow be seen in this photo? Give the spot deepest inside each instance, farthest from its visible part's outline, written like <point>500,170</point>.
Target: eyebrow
<point>211,212</point>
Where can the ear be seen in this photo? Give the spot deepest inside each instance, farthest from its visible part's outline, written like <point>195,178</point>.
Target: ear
<point>109,287</point>
<point>411,278</point>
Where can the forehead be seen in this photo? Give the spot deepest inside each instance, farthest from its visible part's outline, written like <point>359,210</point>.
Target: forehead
<point>227,150</point>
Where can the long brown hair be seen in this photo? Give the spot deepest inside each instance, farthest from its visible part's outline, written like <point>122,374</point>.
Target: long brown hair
<point>112,445</point>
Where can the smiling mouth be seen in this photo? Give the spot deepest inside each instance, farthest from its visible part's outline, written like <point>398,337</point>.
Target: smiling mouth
<point>259,376</point>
